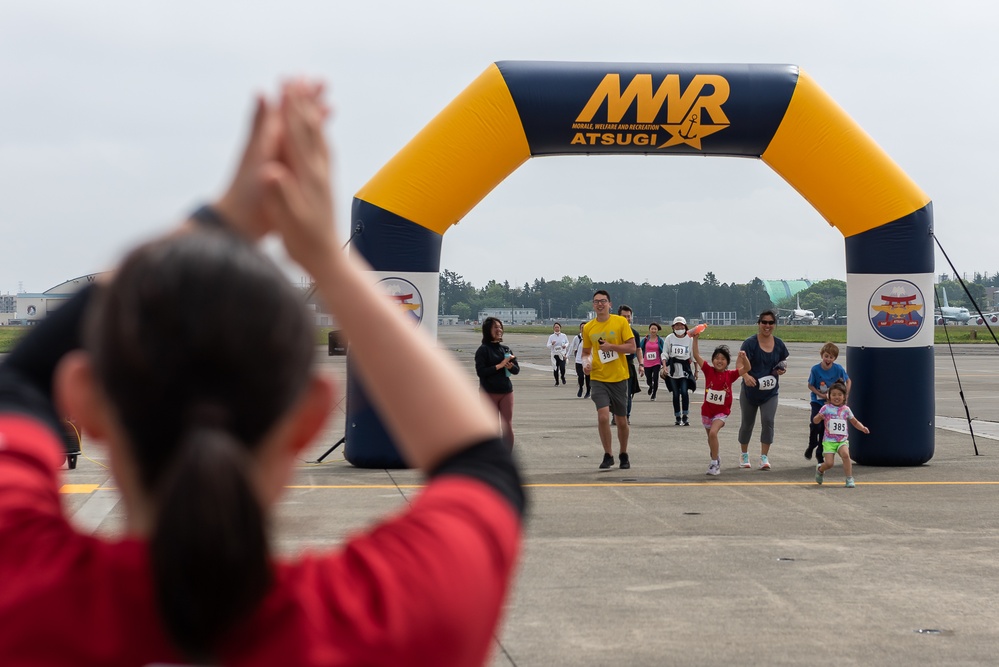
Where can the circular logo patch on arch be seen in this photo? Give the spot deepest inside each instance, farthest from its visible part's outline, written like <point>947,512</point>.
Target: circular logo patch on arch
<point>406,295</point>
<point>897,310</point>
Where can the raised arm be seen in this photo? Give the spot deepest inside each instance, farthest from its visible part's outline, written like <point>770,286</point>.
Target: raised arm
<point>743,364</point>
<point>433,410</point>
<point>696,352</point>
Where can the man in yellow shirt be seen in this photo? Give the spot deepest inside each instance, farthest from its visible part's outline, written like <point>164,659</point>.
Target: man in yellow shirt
<point>607,340</point>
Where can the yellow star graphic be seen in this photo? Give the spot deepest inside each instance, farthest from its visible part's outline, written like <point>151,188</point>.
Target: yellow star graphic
<point>689,132</point>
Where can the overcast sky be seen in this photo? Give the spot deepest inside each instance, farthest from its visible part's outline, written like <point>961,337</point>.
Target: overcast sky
<point>119,116</point>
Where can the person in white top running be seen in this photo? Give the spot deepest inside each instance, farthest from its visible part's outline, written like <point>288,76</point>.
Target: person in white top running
<point>575,352</point>
<point>681,374</point>
<point>558,343</point>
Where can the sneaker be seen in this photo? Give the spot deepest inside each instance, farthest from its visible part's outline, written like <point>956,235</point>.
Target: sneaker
<point>607,462</point>
<point>819,475</point>
<point>677,421</point>
<point>850,483</point>
<point>764,462</point>
<point>808,452</point>
<point>579,393</point>
<point>587,395</point>
<point>556,383</point>
<point>744,463</point>
<point>653,398</point>
<point>685,422</point>
<point>649,392</point>
<point>625,461</point>
<point>714,468</point>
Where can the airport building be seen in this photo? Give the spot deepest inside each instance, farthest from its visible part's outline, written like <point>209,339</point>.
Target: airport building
<point>717,318</point>
<point>510,315</point>
<point>29,308</point>
<point>33,307</point>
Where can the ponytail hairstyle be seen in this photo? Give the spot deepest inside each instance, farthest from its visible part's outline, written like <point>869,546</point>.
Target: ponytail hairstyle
<point>201,346</point>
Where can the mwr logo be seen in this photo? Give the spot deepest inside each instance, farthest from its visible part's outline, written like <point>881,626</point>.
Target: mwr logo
<point>690,114</point>
<point>896,310</point>
<point>406,295</point>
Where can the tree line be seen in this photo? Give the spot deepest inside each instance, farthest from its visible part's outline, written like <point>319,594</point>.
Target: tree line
<point>570,298</point>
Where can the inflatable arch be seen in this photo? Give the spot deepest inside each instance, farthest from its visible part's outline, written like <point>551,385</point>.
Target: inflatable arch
<point>517,110</point>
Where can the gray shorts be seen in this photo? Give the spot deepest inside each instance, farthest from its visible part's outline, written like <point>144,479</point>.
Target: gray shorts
<point>614,394</point>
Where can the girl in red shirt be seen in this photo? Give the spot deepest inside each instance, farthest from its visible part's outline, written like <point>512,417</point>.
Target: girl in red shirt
<point>717,404</point>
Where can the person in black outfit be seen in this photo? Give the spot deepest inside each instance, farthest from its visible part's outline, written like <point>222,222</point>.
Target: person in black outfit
<point>494,364</point>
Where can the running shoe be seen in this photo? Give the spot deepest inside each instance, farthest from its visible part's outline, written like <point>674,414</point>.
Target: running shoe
<point>607,462</point>
<point>744,463</point>
<point>714,468</point>
<point>579,393</point>
<point>850,483</point>
<point>819,475</point>
<point>764,462</point>
<point>625,461</point>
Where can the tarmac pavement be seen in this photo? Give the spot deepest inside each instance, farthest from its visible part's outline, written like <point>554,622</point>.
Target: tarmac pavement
<point>663,565</point>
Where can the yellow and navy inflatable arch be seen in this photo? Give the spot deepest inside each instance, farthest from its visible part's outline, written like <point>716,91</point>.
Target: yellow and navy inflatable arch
<point>518,110</point>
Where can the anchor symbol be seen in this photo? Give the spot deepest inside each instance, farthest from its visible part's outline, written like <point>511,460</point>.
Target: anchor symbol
<point>690,126</point>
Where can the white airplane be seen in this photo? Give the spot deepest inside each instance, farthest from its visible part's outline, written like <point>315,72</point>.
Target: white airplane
<point>948,313</point>
<point>798,315</point>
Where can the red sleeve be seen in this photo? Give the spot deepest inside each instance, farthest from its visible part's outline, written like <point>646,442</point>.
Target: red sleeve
<point>427,587</point>
<point>732,376</point>
<point>30,454</point>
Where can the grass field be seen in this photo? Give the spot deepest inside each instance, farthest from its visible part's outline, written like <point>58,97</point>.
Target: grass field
<point>9,336</point>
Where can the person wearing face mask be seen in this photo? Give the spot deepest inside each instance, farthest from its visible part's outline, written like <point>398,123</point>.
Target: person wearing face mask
<point>681,374</point>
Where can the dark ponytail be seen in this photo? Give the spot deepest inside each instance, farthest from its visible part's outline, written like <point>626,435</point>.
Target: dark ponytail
<point>202,346</point>
<point>209,543</point>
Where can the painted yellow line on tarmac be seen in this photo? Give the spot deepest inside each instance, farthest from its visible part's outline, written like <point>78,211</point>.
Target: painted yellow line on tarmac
<point>78,488</point>
<point>90,488</point>
<point>356,486</point>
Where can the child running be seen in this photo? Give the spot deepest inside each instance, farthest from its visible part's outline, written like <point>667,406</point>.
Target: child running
<point>717,403</point>
<point>836,414</point>
<point>822,376</point>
